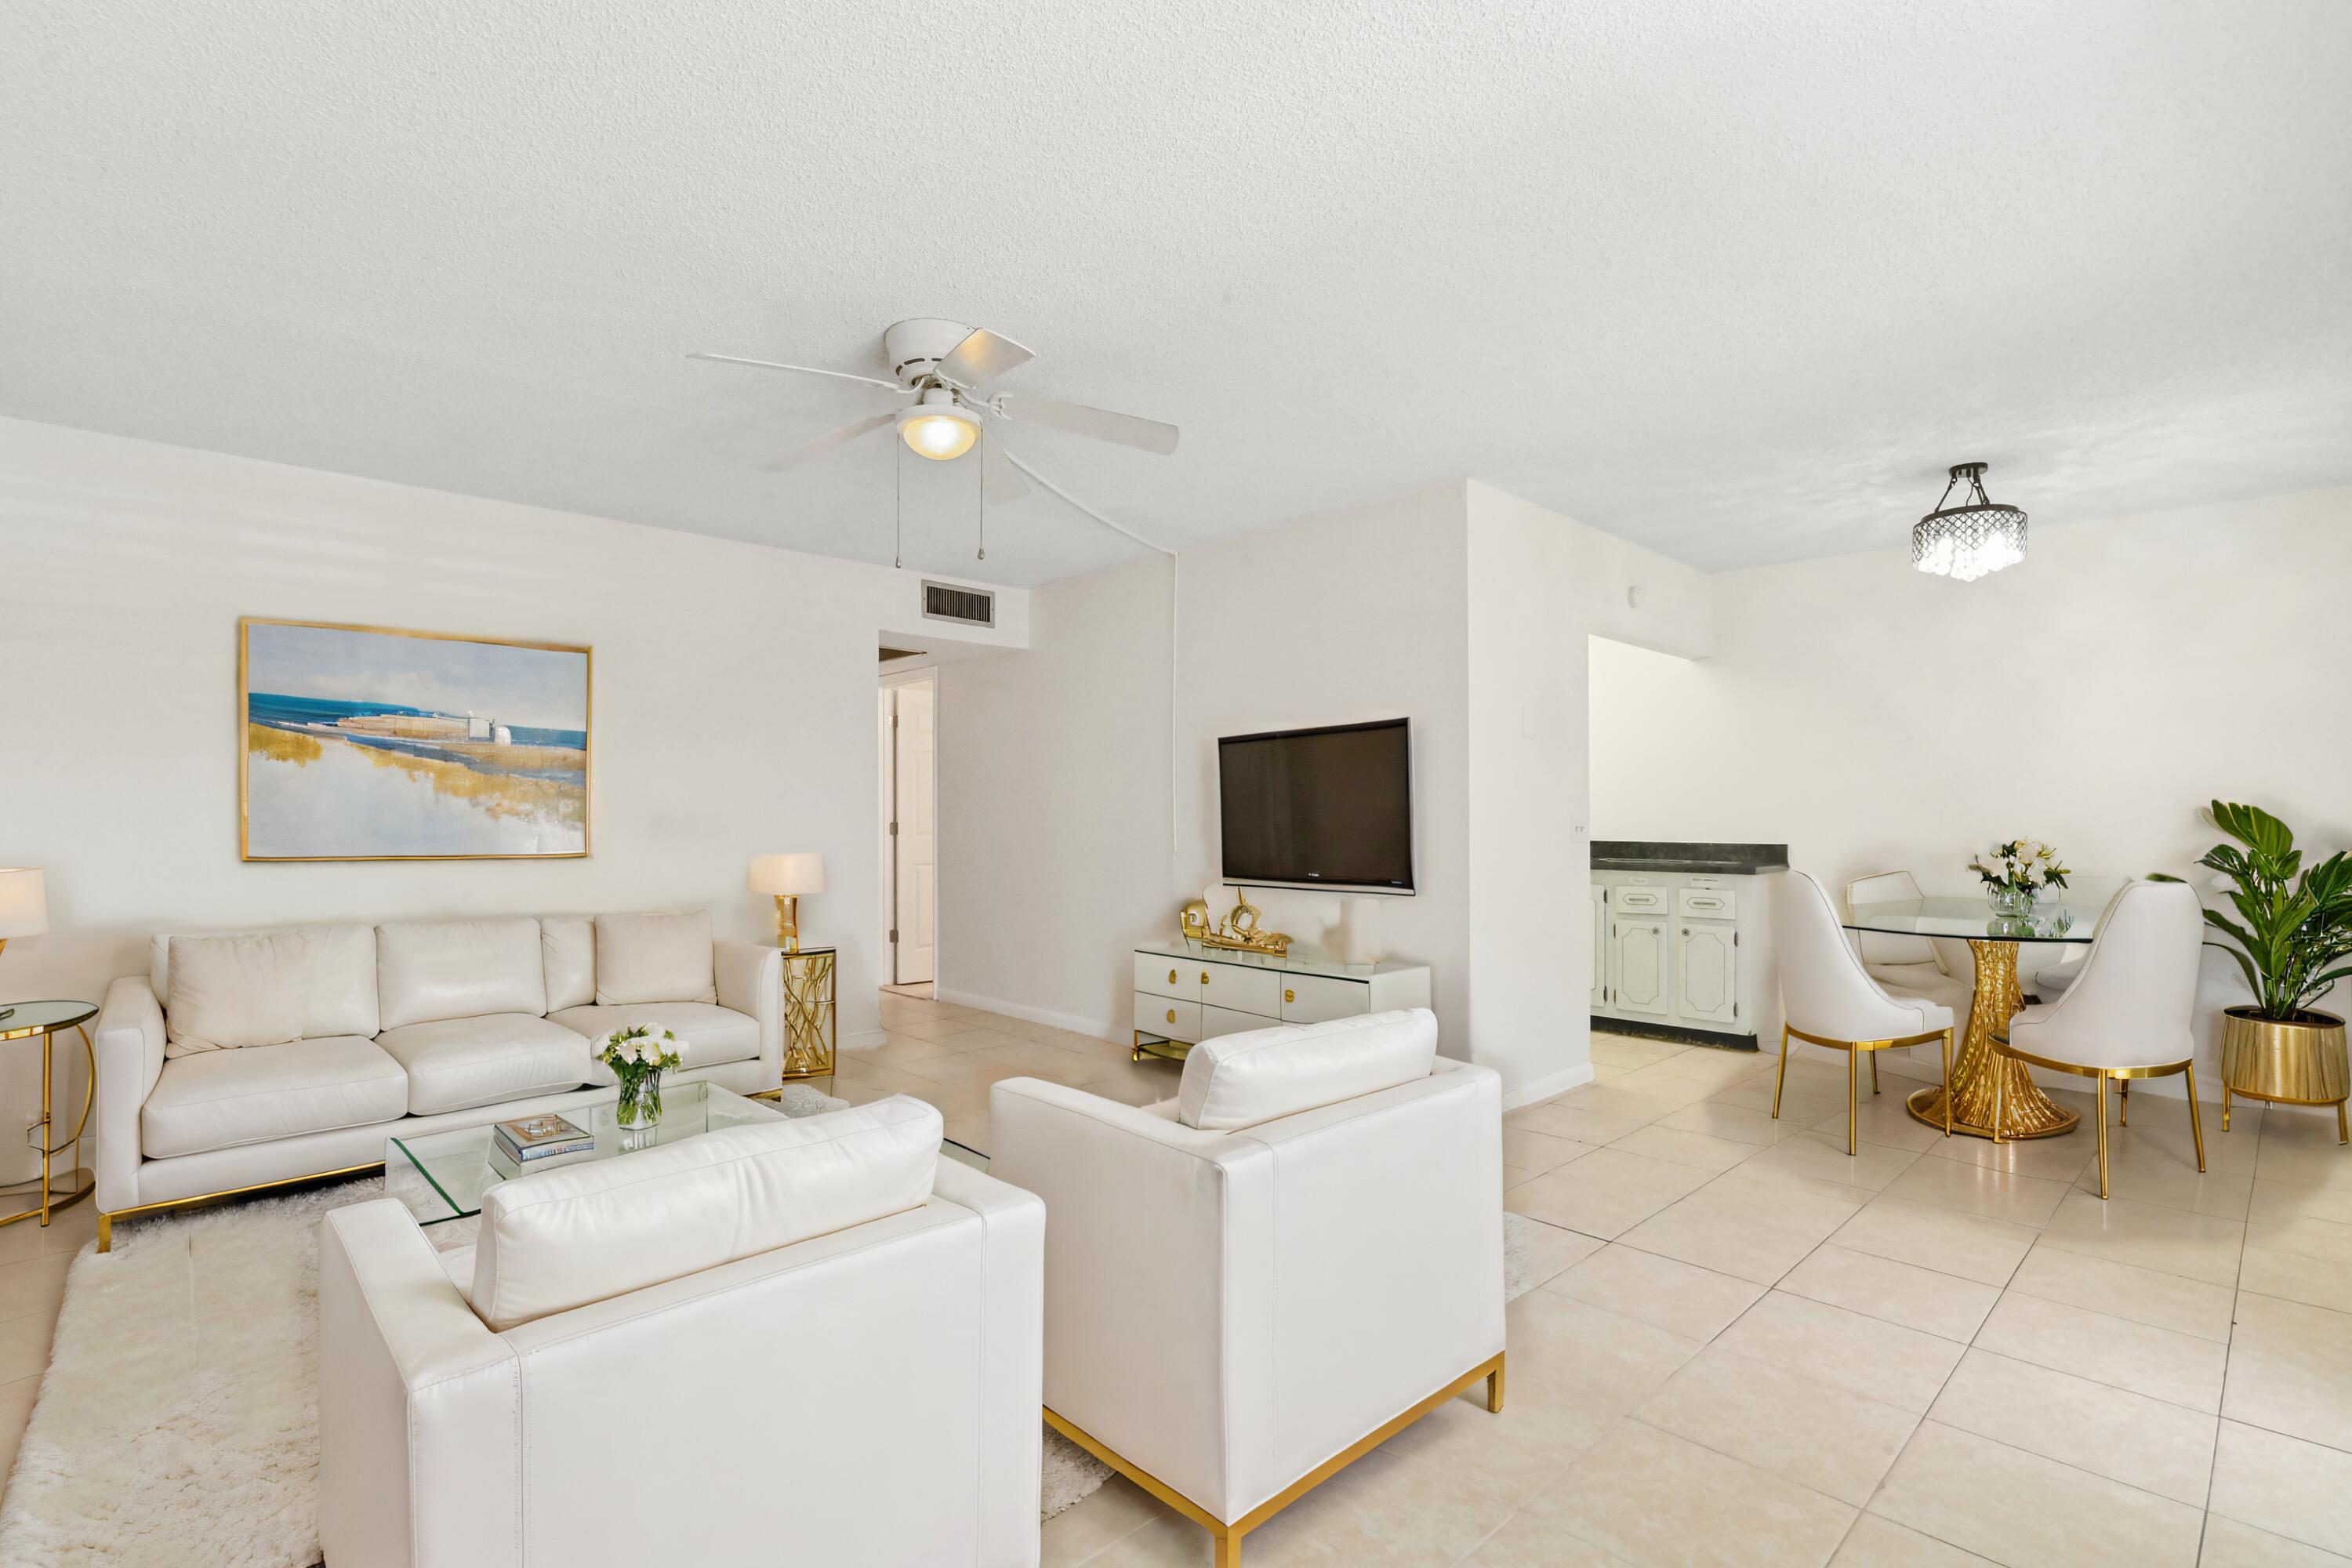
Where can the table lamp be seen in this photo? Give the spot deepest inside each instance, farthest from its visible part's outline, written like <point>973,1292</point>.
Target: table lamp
<point>24,908</point>
<point>787,876</point>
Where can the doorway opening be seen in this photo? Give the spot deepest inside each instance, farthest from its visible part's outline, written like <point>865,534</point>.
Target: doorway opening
<point>910,838</point>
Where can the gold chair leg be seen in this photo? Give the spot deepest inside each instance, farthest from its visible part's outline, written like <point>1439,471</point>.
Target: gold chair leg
<point>2225,1105</point>
<point>2343,1133</point>
<point>1873,1072</point>
<point>1852,1083</point>
<point>1495,1390</point>
<point>1781,1076</point>
<point>1229,1551</point>
<point>106,1233</point>
<point>1947,1083</point>
<point>2123,1110</point>
<point>2103,1136</point>
<point>2196,1127</point>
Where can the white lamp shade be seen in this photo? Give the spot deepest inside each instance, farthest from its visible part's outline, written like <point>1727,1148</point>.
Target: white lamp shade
<point>787,876</point>
<point>24,904</point>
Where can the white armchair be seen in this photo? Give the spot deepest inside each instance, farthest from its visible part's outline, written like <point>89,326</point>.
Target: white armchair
<point>1311,1237</point>
<point>801,1342</point>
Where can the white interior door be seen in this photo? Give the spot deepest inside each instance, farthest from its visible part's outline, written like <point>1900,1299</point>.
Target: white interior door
<point>917,840</point>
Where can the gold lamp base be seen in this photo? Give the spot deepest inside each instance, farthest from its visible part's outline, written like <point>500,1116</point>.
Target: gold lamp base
<point>788,921</point>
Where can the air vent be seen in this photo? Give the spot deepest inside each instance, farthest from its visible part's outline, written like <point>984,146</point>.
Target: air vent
<point>965,607</point>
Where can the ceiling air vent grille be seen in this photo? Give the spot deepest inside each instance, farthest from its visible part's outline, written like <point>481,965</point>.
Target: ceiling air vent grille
<point>965,607</point>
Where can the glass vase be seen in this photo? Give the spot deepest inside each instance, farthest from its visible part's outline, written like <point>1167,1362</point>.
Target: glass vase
<point>2012,903</point>
<point>641,1102</point>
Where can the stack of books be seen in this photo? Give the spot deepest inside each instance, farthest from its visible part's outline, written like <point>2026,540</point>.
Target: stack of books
<point>532,1142</point>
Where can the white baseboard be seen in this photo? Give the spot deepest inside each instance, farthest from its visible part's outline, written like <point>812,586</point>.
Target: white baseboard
<point>1546,1086</point>
<point>864,1039</point>
<point>1099,1028</point>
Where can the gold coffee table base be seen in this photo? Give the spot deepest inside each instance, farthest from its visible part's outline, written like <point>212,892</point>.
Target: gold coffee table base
<point>1977,1073</point>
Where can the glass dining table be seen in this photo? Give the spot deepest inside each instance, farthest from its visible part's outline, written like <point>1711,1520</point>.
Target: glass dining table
<point>1977,1072</point>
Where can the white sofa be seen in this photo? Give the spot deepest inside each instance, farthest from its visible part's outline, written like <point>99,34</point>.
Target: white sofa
<point>812,1343</point>
<point>1250,1286</point>
<point>409,1026</point>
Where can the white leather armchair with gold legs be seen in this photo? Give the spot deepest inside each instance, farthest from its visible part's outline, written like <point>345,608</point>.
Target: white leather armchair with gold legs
<point>1250,1286</point>
<point>2128,1014</point>
<point>1829,999</point>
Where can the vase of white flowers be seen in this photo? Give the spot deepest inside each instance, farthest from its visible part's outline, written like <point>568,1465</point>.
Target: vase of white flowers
<point>638,1056</point>
<point>2015,873</point>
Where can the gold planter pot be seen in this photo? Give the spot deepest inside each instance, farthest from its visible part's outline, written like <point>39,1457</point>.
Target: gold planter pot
<point>2301,1063</point>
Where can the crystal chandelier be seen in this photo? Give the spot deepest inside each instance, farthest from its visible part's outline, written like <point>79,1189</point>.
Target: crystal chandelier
<point>1971,539</point>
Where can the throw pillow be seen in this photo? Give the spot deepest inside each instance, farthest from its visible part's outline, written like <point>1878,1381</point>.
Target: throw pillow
<point>653,958</point>
<point>230,992</point>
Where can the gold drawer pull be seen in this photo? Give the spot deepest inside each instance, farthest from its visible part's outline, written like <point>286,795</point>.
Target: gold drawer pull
<point>1171,1014</point>
<point>1172,977</point>
<point>1290,995</point>
<point>1205,977</point>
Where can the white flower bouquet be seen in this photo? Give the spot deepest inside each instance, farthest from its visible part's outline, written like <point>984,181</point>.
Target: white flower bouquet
<point>2015,872</point>
<point>638,1056</point>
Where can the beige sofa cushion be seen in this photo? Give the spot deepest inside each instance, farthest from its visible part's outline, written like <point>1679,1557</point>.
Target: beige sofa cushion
<point>1240,1081</point>
<point>456,1064</point>
<point>653,958</point>
<point>567,949</point>
<point>431,970</point>
<point>218,1100</point>
<point>230,992</point>
<point>711,1034</point>
<point>342,977</point>
<point>560,1239</point>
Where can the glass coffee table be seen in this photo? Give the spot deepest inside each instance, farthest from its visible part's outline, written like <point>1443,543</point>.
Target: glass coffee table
<point>444,1176</point>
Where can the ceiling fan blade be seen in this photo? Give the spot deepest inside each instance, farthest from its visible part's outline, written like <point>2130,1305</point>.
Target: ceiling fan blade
<point>804,369</point>
<point>999,481</point>
<point>1101,424</point>
<point>827,443</point>
<point>981,356</point>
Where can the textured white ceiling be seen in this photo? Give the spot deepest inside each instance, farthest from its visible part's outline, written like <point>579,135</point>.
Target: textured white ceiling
<point>1733,280</point>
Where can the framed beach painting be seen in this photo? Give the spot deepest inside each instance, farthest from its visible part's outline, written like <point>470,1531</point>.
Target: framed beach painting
<point>363,743</point>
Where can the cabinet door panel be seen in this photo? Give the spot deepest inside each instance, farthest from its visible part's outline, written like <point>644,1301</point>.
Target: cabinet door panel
<point>1314,998</point>
<point>1168,1019</point>
<point>1600,947</point>
<point>1639,967</point>
<point>1159,976</point>
<point>1242,989</point>
<point>1706,970</point>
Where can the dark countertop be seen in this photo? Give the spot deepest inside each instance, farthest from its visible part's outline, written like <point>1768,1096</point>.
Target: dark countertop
<point>1716,859</point>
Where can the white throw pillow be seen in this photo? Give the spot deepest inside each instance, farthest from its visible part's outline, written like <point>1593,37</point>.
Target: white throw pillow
<point>1240,1081</point>
<point>554,1240</point>
<point>230,992</point>
<point>653,958</point>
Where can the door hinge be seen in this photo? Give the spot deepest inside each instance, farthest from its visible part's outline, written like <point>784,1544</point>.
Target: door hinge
<point>1735,1009</point>
<point>1735,939</point>
<point>894,830</point>
<point>894,937</point>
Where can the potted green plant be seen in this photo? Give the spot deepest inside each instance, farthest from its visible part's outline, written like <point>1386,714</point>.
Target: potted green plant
<point>2292,938</point>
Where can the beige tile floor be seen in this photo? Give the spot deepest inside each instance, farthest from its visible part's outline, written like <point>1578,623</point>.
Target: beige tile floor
<point>1753,1350</point>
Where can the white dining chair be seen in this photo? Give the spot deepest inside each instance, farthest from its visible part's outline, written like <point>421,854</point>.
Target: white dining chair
<point>1828,998</point>
<point>1942,970</point>
<point>2130,1014</point>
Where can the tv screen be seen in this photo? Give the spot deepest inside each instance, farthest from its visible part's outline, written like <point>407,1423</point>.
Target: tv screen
<point>1319,808</point>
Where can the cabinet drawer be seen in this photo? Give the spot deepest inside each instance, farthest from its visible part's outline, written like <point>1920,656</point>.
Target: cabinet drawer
<point>1241,989</point>
<point>1312,998</point>
<point>1639,900</point>
<point>1215,1021</point>
<point>1167,977</point>
<point>1162,1015</point>
<point>1706,903</point>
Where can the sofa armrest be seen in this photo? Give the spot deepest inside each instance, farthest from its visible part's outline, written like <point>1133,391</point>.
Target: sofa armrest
<point>750,979</point>
<point>1148,1223</point>
<point>419,1406</point>
<point>128,1039</point>
<point>1012,1360</point>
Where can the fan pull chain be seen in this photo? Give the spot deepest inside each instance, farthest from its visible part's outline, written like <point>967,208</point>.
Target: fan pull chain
<point>981,469</point>
<point>898,508</point>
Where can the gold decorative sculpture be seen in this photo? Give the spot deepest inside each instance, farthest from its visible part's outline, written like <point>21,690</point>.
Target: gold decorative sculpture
<point>1238,930</point>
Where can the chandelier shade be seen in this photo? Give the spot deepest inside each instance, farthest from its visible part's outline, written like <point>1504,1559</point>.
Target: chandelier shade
<point>1968,540</point>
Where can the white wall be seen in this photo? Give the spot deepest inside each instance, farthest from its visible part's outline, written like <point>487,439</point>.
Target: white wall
<point>1538,585</point>
<point>1054,806</point>
<point>2096,696</point>
<point>734,701</point>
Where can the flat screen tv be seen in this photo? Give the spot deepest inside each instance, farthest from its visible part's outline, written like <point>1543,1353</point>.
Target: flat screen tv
<point>1319,808</point>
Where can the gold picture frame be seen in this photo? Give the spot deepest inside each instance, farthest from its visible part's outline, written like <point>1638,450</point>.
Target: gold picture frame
<point>421,758</point>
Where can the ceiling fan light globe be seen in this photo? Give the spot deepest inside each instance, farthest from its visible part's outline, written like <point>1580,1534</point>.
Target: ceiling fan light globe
<point>940,432</point>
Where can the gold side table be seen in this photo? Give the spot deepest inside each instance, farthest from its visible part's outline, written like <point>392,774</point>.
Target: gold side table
<point>811,1022</point>
<point>22,1021</point>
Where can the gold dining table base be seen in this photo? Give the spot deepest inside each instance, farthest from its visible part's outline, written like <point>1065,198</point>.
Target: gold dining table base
<point>1978,1076</point>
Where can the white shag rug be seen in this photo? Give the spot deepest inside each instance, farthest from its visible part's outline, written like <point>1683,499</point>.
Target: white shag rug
<point>178,1421</point>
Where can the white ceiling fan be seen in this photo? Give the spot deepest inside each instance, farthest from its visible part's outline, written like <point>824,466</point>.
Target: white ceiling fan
<point>941,366</point>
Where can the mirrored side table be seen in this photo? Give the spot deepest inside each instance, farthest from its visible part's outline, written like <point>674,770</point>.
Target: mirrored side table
<point>810,1025</point>
<point>22,1021</point>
